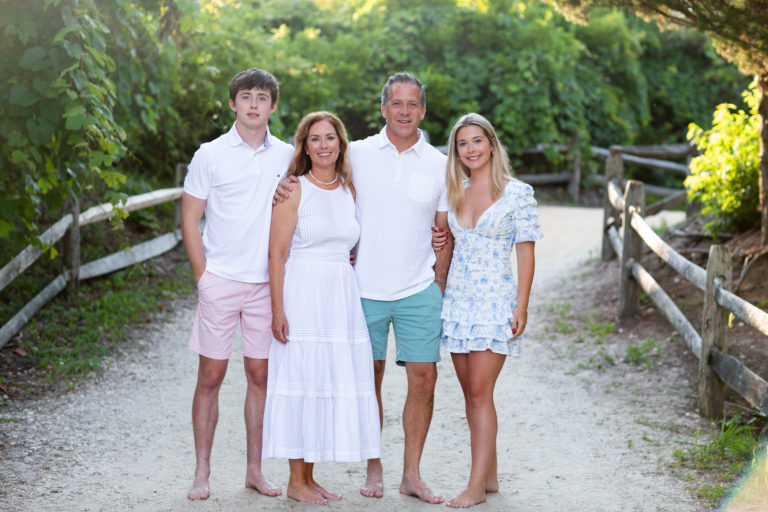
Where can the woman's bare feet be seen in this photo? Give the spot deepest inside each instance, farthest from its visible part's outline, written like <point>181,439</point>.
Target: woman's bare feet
<point>200,489</point>
<point>419,488</point>
<point>322,491</point>
<point>468,498</point>
<point>492,485</point>
<point>374,482</point>
<point>304,493</point>
<point>257,481</point>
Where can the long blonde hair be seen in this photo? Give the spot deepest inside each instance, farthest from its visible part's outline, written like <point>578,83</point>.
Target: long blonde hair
<point>301,163</point>
<point>457,172</point>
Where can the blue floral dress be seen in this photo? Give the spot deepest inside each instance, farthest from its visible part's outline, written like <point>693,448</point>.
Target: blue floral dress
<point>482,289</point>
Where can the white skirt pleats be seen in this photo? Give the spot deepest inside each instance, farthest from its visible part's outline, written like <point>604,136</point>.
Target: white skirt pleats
<point>321,401</point>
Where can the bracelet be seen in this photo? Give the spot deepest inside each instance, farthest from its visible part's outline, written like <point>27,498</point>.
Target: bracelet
<point>521,309</point>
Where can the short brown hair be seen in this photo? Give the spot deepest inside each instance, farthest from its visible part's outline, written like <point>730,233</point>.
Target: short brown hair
<point>254,78</point>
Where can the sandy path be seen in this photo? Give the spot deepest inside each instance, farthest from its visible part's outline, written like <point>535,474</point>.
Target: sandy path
<point>124,440</point>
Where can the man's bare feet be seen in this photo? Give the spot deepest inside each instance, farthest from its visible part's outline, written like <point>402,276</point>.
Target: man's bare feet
<point>468,498</point>
<point>419,489</point>
<point>304,493</point>
<point>200,489</point>
<point>374,482</point>
<point>254,480</point>
<point>322,491</point>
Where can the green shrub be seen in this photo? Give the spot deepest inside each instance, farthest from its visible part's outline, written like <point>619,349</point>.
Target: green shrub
<point>724,179</point>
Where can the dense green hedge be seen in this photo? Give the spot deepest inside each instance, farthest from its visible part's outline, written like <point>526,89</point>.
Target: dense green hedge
<point>91,92</point>
<point>725,177</point>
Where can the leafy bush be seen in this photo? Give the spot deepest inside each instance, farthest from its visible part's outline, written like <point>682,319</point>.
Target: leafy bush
<point>724,179</point>
<point>92,92</point>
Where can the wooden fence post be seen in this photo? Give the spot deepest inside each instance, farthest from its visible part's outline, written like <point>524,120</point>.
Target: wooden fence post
<point>575,183</point>
<point>72,249</point>
<point>614,169</point>
<point>714,330</point>
<point>181,171</point>
<point>632,248</point>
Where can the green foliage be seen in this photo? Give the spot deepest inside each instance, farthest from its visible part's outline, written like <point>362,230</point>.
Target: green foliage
<point>67,340</point>
<point>733,446</point>
<point>724,179</point>
<point>600,330</point>
<point>92,92</point>
<point>641,354</point>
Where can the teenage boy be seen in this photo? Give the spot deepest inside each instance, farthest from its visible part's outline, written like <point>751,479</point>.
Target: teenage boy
<point>232,180</point>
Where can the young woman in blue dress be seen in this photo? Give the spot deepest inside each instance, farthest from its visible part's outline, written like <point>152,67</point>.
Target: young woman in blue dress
<point>485,309</point>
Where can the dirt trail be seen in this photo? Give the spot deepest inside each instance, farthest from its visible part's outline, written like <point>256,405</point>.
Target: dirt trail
<point>124,440</point>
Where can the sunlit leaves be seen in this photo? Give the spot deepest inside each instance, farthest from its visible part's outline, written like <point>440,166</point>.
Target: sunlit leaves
<point>724,178</point>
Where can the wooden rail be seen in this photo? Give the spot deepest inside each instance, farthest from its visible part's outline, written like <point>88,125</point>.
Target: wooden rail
<point>648,156</point>
<point>717,369</point>
<point>74,271</point>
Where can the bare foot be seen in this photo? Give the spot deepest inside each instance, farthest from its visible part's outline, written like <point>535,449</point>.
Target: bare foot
<point>322,491</point>
<point>200,489</point>
<point>305,493</point>
<point>374,483</point>
<point>492,485</point>
<point>419,489</point>
<point>466,499</point>
<point>257,481</point>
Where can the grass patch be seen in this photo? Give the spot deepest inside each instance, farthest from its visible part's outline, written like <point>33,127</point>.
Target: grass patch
<point>641,354</point>
<point>600,330</point>
<point>71,336</point>
<point>733,446</point>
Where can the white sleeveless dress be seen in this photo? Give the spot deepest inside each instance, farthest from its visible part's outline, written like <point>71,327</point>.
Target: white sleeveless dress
<point>321,402</point>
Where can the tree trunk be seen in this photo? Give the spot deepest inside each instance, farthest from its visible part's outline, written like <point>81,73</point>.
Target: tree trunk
<point>763,111</point>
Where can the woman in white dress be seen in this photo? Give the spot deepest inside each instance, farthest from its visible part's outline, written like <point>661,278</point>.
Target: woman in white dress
<point>321,403</point>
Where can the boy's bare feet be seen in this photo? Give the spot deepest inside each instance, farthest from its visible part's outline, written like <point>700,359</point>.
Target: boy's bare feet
<point>419,489</point>
<point>254,480</point>
<point>467,498</point>
<point>200,489</point>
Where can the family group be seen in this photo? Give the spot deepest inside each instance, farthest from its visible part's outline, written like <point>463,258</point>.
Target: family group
<point>316,249</point>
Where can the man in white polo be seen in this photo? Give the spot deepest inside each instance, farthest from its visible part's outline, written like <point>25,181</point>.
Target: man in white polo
<point>232,180</point>
<point>400,182</point>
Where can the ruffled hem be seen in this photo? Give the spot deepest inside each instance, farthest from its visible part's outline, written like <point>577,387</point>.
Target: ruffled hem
<point>321,429</point>
<point>509,347</point>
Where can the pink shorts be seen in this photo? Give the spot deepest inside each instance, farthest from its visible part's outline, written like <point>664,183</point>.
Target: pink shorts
<point>223,304</point>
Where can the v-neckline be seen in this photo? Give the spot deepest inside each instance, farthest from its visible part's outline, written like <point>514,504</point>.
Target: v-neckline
<point>484,211</point>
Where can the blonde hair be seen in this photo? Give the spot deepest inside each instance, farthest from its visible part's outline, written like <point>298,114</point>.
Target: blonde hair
<point>457,172</point>
<point>301,163</point>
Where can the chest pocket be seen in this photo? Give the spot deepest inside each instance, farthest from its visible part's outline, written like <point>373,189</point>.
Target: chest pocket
<point>422,188</point>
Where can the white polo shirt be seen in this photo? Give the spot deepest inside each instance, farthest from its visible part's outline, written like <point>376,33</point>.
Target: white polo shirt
<point>237,183</point>
<point>398,195</point>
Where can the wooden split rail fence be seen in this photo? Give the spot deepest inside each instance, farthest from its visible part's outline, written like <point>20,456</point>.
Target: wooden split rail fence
<point>69,226</point>
<point>625,233</point>
<point>655,156</point>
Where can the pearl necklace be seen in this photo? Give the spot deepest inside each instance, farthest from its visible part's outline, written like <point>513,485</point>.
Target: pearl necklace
<point>326,183</point>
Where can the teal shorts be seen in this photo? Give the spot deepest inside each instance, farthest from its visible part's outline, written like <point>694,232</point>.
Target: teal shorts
<point>416,322</point>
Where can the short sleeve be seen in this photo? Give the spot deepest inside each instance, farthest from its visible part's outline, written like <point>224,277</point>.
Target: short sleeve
<point>525,215</point>
<point>197,183</point>
<point>442,203</point>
